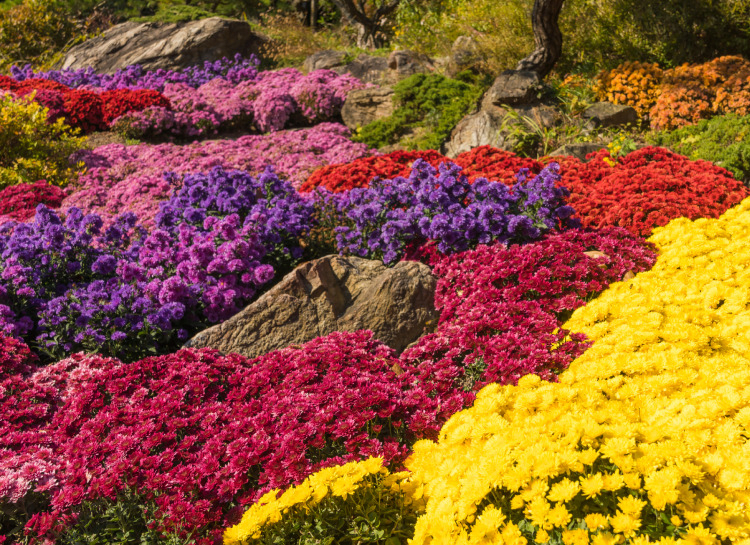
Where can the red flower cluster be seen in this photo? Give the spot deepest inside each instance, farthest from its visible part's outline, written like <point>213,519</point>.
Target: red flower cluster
<point>19,202</point>
<point>346,176</point>
<point>122,101</point>
<point>87,110</point>
<point>495,164</point>
<point>484,161</point>
<point>647,188</point>
<point>195,432</point>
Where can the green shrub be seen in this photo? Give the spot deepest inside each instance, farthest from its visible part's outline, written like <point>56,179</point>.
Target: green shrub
<point>723,140</point>
<point>428,106</point>
<point>596,34</point>
<point>31,148</point>
<point>34,31</point>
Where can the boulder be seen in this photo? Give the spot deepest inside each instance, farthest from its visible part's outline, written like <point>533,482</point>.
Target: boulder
<point>329,294</point>
<point>514,88</point>
<point>580,150</point>
<point>478,129</point>
<point>606,114</point>
<point>164,45</point>
<point>328,59</point>
<point>369,69</point>
<point>490,126</point>
<point>406,62</point>
<point>363,106</point>
<point>465,55</point>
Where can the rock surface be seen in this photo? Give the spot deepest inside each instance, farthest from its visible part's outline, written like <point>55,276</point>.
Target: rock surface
<point>513,88</point>
<point>329,294</point>
<point>363,106</point>
<point>465,55</point>
<point>164,45</point>
<point>406,62</point>
<point>483,128</point>
<point>606,114</point>
<point>328,59</point>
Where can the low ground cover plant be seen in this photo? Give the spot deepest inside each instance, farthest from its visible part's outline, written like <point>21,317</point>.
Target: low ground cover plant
<point>430,103</point>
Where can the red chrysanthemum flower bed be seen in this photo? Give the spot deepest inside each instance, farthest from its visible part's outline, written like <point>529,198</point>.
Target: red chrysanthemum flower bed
<point>484,161</point>
<point>359,173</point>
<point>86,110</point>
<point>19,202</point>
<point>647,188</point>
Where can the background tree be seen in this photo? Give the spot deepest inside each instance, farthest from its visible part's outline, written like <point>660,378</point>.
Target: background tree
<point>547,38</point>
<point>369,18</point>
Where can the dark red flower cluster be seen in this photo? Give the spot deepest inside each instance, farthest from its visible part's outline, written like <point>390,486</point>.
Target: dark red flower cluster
<point>19,202</point>
<point>484,161</point>
<point>647,188</point>
<point>501,310</point>
<point>87,110</point>
<point>358,173</point>
<point>196,432</point>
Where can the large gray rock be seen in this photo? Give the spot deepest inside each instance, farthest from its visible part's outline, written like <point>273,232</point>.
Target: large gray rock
<point>329,294</point>
<point>363,106</point>
<point>483,128</point>
<point>606,114</point>
<point>513,88</point>
<point>164,45</point>
<point>492,126</point>
<point>328,59</point>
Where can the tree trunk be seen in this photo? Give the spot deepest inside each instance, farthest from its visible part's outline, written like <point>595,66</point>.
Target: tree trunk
<point>547,38</point>
<point>370,28</point>
<point>314,14</point>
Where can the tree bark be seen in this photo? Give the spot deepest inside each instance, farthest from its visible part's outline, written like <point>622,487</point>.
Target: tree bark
<point>370,33</point>
<point>547,38</point>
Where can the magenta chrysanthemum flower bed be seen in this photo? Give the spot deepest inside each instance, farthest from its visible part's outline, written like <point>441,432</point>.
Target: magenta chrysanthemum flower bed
<point>130,178</point>
<point>195,433</point>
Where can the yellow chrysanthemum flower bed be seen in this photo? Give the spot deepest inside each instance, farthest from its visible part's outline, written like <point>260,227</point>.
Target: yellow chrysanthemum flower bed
<point>645,437</point>
<point>348,492</point>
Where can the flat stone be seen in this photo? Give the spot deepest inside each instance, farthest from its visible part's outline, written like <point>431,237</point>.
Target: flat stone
<point>328,59</point>
<point>606,114</point>
<point>514,88</point>
<point>364,106</point>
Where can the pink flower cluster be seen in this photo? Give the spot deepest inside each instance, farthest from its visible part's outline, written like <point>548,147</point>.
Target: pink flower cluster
<point>270,102</point>
<point>130,178</point>
<point>501,309</point>
<point>195,432</point>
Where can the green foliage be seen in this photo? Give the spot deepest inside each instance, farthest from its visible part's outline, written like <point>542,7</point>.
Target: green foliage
<point>371,514</point>
<point>723,140</point>
<point>33,149</point>
<point>427,106</point>
<point>596,34</point>
<point>34,31</point>
<point>124,521</point>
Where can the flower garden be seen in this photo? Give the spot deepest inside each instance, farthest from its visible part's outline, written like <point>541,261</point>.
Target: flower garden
<point>587,381</point>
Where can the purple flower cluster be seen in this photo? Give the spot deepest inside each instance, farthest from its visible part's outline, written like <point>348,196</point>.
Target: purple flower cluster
<point>66,287</point>
<point>233,70</point>
<point>445,208</point>
<point>270,102</point>
<point>269,205</point>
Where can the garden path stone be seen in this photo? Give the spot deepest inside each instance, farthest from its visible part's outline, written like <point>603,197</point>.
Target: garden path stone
<point>164,45</point>
<point>333,293</point>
